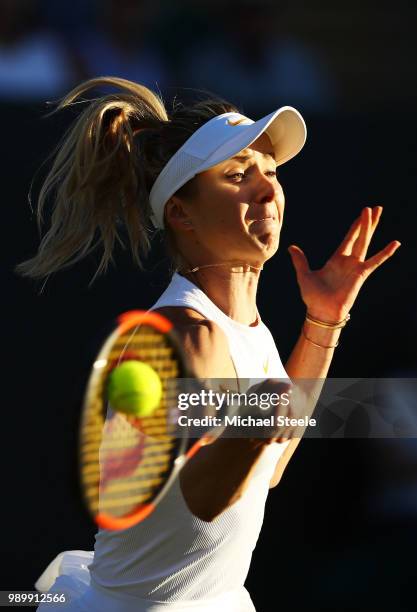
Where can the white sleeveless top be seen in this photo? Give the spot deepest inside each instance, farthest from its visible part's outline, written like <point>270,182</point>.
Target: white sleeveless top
<point>173,557</point>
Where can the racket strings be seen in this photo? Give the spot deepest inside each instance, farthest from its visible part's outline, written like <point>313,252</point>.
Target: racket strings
<point>125,460</point>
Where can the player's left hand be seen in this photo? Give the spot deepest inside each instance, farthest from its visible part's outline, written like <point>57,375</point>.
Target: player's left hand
<point>330,292</point>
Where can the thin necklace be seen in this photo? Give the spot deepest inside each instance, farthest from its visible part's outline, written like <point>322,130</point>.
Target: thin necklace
<point>247,266</point>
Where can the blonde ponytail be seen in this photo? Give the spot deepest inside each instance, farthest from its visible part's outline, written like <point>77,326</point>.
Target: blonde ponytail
<point>104,170</point>
<point>94,179</point>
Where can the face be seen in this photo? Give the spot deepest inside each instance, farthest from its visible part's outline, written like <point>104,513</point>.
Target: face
<point>236,212</point>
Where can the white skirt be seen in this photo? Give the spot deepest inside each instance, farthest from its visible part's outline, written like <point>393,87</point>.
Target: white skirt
<point>68,574</point>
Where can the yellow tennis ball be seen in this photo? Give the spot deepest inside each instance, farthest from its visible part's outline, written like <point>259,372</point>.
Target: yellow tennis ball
<point>134,388</point>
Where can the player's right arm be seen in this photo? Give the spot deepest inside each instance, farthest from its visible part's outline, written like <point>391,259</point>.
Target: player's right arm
<point>217,476</point>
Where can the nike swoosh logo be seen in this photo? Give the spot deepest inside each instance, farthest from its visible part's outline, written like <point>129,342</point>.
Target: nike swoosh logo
<point>236,121</point>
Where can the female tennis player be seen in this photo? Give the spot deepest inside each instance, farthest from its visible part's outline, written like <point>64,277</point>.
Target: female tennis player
<point>206,176</point>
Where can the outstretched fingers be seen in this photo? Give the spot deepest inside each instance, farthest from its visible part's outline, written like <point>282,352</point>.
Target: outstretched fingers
<point>358,237</point>
<point>299,259</point>
<point>376,260</point>
<point>360,246</point>
<point>345,247</point>
<point>369,221</point>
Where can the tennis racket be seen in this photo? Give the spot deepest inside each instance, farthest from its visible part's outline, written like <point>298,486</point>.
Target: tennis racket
<point>127,463</point>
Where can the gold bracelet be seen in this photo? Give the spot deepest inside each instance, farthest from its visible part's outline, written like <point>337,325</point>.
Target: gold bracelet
<point>320,345</point>
<point>327,325</point>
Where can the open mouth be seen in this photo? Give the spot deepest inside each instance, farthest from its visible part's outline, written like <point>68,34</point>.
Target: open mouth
<point>265,229</point>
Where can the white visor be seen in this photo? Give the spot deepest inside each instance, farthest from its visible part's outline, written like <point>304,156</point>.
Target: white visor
<point>221,138</point>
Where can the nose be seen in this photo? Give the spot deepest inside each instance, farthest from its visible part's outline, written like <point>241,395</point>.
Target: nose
<point>265,190</point>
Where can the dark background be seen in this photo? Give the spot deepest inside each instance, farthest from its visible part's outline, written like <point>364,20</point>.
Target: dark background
<point>340,530</point>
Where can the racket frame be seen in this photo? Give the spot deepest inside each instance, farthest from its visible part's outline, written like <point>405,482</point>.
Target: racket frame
<point>126,321</point>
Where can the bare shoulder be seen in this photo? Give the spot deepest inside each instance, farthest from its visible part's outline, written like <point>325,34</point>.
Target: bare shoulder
<point>204,343</point>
